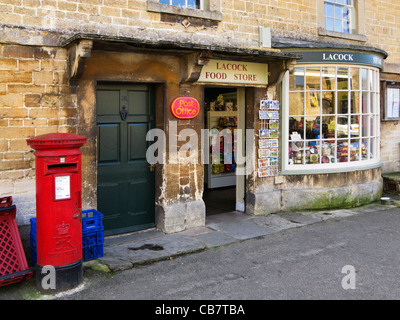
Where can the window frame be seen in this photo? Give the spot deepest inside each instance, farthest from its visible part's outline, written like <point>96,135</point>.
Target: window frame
<point>209,9</point>
<point>320,167</point>
<point>351,19</point>
<point>358,21</point>
<point>386,85</point>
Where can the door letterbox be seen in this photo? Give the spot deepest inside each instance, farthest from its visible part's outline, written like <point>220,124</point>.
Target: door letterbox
<point>58,207</point>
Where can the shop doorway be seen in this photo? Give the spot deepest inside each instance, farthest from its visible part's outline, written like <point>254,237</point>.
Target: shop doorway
<point>225,111</point>
<point>125,182</point>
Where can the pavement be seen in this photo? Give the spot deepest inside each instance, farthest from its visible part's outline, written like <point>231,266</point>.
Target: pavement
<point>127,251</point>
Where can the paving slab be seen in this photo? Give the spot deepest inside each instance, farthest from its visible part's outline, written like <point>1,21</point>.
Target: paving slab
<point>124,255</point>
<point>215,239</point>
<point>296,217</point>
<point>241,230</point>
<point>275,222</point>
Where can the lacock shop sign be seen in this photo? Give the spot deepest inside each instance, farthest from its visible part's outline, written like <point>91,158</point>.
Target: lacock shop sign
<point>223,71</point>
<point>373,60</point>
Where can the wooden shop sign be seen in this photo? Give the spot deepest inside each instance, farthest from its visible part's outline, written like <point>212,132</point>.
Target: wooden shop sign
<point>185,107</point>
<point>222,71</point>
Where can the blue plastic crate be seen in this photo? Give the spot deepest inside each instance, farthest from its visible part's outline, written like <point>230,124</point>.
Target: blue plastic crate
<point>92,236</point>
<point>92,252</point>
<point>91,220</point>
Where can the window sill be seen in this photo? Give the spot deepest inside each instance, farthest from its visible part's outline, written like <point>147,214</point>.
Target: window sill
<point>356,37</point>
<point>373,164</point>
<point>187,12</point>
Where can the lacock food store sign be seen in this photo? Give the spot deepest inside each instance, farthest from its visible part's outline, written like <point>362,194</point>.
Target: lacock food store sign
<point>223,71</point>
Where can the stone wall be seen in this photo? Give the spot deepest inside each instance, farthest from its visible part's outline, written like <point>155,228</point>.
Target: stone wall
<point>35,99</point>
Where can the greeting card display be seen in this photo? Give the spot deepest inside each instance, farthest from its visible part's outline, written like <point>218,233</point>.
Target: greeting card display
<point>262,163</point>
<point>263,143</point>
<point>273,143</point>
<point>263,153</point>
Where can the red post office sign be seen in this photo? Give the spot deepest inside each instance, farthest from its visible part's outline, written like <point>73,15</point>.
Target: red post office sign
<point>185,107</point>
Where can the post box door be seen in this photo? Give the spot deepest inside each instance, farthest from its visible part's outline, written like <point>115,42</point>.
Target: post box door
<point>125,183</point>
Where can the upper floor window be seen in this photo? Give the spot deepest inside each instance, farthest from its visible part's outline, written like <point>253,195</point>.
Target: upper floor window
<point>194,4</point>
<point>339,16</point>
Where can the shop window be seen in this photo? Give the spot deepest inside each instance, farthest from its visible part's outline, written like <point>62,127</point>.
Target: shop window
<point>391,101</point>
<point>332,117</point>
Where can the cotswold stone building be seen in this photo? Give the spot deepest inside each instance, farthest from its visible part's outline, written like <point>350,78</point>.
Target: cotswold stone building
<point>310,86</point>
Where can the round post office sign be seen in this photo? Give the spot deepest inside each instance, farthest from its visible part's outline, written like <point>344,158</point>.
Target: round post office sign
<point>185,107</point>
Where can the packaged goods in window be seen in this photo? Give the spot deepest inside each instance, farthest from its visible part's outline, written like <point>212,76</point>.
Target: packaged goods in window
<point>314,158</point>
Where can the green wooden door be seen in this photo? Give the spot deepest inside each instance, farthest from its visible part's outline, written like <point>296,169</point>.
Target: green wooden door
<point>125,183</point>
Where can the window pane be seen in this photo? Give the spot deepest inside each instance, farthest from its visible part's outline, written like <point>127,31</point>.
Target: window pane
<point>313,128</point>
<point>365,149</point>
<point>343,78</point>
<point>346,26</point>
<point>329,25</point>
<point>342,150</point>
<point>313,152</point>
<point>328,127</point>
<point>364,79</point>
<point>296,79</point>
<point>313,106</point>
<point>346,13</point>
<point>343,102</point>
<point>355,78</point>
<point>365,108</point>
<point>328,78</point>
<point>296,152</point>
<point>180,3</point>
<point>355,126</point>
<point>328,102</point>
<point>329,10</point>
<point>342,126</point>
<point>338,25</point>
<point>365,126</point>
<point>374,126</point>
<point>296,104</point>
<point>338,12</point>
<point>313,78</point>
<point>192,4</point>
<point>355,150</point>
<point>165,1</point>
<point>355,102</point>
<point>296,125</point>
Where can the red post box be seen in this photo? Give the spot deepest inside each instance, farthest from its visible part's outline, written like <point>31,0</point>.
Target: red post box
<point>58,208</point>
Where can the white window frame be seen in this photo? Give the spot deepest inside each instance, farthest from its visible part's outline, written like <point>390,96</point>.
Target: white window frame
<point>360,164</point>
<point>351,19</point>
<point>202,4</point>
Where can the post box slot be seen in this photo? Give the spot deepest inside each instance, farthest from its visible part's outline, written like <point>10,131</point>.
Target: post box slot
<point>62,167</point>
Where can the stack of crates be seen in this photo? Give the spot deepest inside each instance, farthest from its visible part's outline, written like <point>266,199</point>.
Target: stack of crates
<point>33,240</point>
<point>92,236</point>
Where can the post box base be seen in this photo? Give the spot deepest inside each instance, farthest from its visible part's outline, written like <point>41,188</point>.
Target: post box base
<point>50,280</point>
